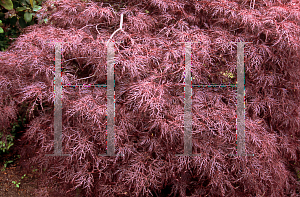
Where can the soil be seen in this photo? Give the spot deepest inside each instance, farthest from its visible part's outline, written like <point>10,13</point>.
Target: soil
<point>29,186</point>
<point>13,172</point>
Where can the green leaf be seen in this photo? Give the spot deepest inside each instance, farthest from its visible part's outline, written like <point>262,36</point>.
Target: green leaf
<point>19,9</point>
<point>22,22</point>
<point>23,2</point>
<point>31,22</point>
<point>0,21</point>
<point>7,4</point>
<point>27,16</point>
<point>13,20</point>
<point>36,8</point>
<point>1,30</point>
<point>147,11</point>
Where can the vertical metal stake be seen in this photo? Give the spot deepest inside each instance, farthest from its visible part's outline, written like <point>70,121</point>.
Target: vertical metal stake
<point>240,135</point>
<point>188,105</point>
<point>110,101</point>
<point>240,100</point>
<point>57,104</point>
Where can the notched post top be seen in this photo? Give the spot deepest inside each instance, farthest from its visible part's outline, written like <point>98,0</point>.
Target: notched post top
<point>121,28</point>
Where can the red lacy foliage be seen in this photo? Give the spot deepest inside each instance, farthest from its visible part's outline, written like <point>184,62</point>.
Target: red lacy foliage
<point>149,76</point>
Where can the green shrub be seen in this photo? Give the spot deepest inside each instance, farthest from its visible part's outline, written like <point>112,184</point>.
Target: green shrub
<point>5,145</point>
<point>7,142</point>
<point>14,16</point>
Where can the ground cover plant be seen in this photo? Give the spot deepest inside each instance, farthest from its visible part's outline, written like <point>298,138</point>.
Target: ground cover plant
<point>149,92</point>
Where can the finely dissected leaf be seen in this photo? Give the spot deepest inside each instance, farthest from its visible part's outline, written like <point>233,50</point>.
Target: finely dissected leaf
<point>7,4</point>
<point>150,96</point>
